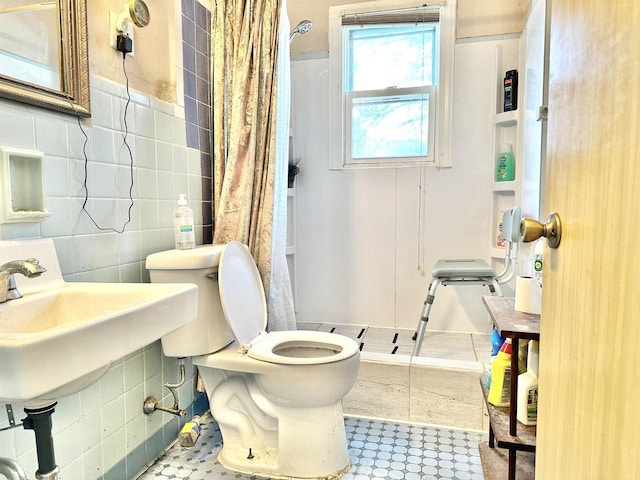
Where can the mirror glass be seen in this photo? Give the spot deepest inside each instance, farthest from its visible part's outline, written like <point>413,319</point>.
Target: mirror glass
<point>43,54</point>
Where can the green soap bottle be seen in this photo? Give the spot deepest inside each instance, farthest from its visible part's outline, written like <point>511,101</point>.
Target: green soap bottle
<point>505,165</point>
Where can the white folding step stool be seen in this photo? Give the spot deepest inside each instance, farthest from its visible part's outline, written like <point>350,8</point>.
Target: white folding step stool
<point>471,272</point>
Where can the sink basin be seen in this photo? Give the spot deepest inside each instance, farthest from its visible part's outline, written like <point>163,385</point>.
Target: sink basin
<point>62,336</point>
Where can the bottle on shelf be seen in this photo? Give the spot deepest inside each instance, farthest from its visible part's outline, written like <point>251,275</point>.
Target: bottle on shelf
<point>501,242</point>
<point>511,90</point>
<point>505,164</point>
<point>500,390</point>
<point>528,388</point>
<point>496,342</point>
<point>523,355</point>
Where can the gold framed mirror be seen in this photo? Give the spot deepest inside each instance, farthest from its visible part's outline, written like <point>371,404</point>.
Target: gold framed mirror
<point>44,55</point>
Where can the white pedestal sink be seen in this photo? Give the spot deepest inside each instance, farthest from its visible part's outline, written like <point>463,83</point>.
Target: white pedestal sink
<point>62,336</point>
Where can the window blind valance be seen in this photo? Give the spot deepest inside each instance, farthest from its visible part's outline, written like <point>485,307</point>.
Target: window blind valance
<point>421,14</point>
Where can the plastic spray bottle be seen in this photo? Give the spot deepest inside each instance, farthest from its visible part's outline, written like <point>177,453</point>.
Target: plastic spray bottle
<point>528,388</point>
<point>496,342</point>
<point>499,392</point>
<point>183,224</point>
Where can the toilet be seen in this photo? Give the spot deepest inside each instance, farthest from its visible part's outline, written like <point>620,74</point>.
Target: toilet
<point>276,396</point>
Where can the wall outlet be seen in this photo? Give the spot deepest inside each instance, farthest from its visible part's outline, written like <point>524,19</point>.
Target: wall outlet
<point>120,24</point>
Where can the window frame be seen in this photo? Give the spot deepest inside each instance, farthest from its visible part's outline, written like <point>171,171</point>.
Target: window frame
<point>440,137</point>
<point>388,92</point>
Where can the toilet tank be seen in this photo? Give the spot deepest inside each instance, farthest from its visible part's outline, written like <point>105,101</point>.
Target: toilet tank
<point>209,332</point>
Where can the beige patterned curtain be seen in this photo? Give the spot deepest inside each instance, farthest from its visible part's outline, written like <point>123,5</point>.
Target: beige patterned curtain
<point>244,48</point>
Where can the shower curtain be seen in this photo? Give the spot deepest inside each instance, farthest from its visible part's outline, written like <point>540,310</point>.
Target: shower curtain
<point>251,108</point>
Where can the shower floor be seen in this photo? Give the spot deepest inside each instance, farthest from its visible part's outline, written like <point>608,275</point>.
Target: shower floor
<point>378,450</point>
<point>440,387</point>
<point>397,343</point>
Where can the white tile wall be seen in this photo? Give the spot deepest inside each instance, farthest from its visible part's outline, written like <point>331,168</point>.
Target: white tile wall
<point>365,245</point>
<point>102,432</point>
<point>104,425</point>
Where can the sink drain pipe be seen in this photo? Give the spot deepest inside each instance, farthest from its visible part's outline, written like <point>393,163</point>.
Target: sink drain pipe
<point>151,404</point>
<point>39,420</point>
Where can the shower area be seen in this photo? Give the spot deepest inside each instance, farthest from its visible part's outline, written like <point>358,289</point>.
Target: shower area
<point>366,240</point>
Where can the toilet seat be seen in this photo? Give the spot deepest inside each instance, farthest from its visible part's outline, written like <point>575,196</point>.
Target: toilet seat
<point>245,308</point>
<point>302,347</point>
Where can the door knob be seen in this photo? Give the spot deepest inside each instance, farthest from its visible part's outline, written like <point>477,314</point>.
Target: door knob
<point>531,230</point>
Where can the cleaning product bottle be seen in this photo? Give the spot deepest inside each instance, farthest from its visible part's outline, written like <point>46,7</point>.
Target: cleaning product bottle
<point>499,392</point>
<point>528,388</point>
<point>496,342</point>
<point>505,164</point>
<point>523,351</point>
<point>538,260</point>
<point>190,432</point>
<point>183,224</point>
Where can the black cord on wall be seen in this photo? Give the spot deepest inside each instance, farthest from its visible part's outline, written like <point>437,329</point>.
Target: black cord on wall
<point>126,144</point>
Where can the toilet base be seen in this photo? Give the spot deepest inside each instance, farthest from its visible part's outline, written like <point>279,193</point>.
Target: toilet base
<point>266,464</point>
<point>269,458</point>
<point>312,444</point>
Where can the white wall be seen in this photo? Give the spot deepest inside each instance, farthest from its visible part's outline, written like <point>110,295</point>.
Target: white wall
<point>360,256</point>
<point>474,19</point>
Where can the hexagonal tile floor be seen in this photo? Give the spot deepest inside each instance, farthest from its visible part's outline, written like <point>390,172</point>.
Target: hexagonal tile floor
<point>378,450</point>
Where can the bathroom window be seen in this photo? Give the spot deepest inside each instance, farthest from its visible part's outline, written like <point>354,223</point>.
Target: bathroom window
<point>390,83</point>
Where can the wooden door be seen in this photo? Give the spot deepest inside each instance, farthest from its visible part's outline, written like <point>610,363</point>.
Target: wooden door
<point>589,417</point>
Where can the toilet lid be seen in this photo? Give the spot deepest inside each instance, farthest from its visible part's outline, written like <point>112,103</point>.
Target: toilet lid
<point>241,293</point>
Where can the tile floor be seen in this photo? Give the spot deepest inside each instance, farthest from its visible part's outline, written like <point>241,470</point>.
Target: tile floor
<point>379,450</point>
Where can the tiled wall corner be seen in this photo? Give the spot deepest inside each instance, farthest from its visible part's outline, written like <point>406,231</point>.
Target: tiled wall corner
<point>196,55</point>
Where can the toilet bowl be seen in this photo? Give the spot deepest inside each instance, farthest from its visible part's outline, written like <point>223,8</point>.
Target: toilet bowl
<point>276,396</point>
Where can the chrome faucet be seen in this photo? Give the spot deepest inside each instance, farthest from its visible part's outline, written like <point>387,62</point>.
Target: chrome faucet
<point>29,268</point>
<point>12,469</point>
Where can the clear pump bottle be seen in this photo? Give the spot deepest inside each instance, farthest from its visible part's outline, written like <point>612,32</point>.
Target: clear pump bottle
<point>183,224</point>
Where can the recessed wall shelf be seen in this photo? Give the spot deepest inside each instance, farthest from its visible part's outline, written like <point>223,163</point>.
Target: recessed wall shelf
<point>507,119</point>
<point>505,194</point>
<point>23,197</point>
